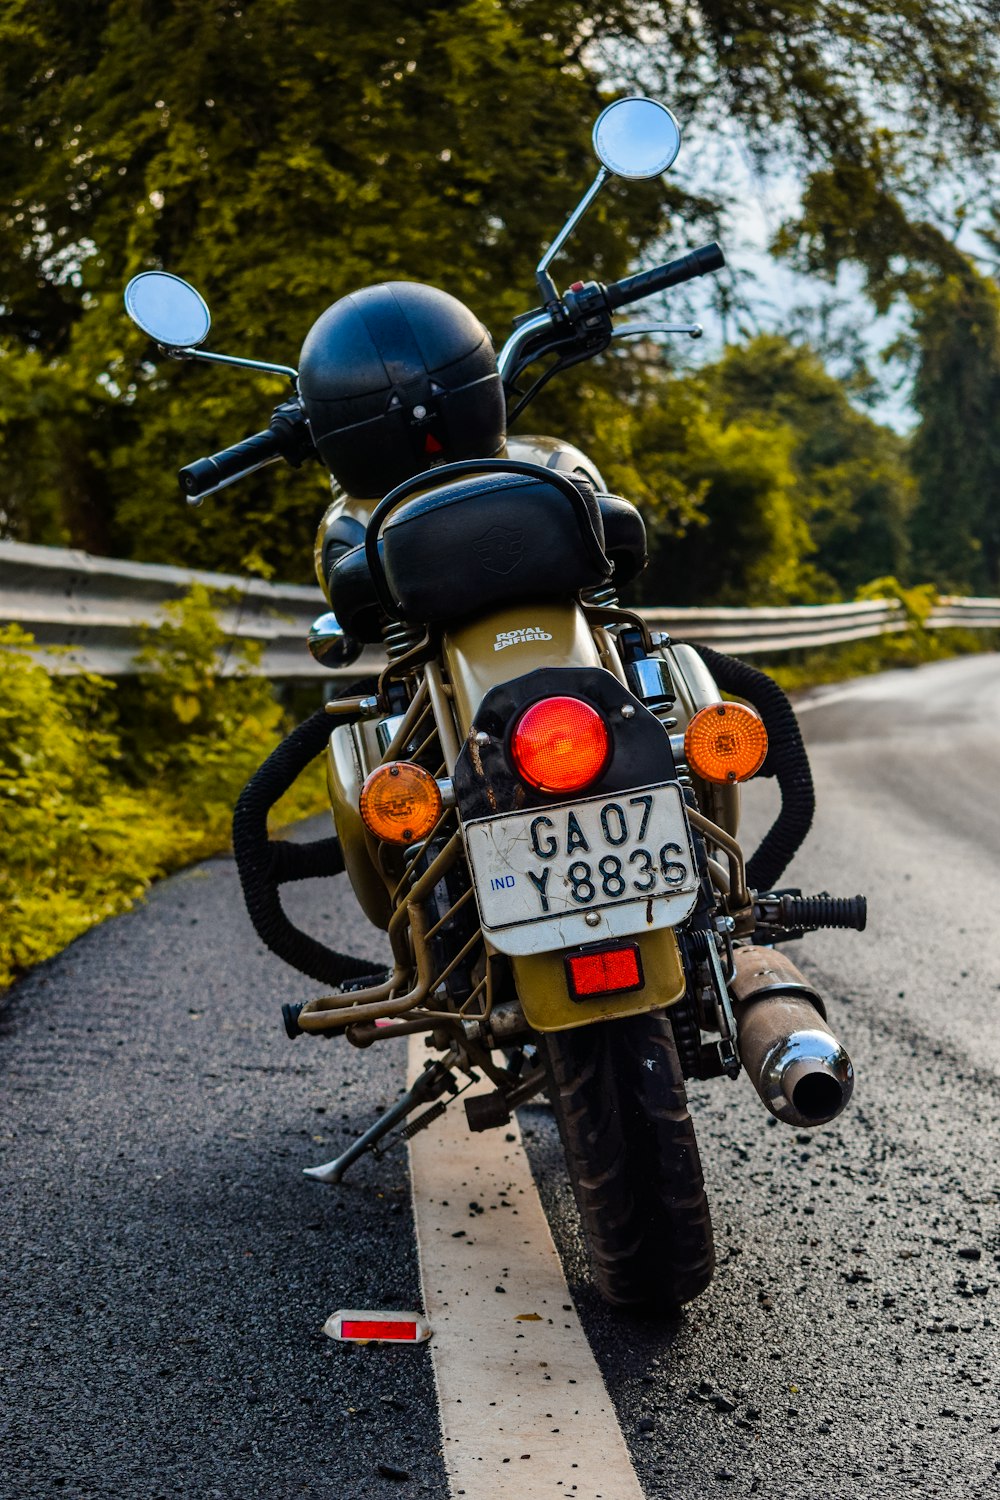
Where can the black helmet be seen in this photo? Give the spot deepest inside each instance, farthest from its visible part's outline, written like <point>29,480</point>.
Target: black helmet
<point>396,379</point>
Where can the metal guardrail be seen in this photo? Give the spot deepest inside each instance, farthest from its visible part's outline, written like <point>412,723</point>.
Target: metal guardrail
<point>953,613</point>
<point>86,613</point>
<point>752,632</point>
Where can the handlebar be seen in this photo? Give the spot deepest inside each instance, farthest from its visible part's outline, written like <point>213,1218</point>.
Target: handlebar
<point>645,283</point>
<point>288,437</point>
<point>208,474</point>
<point>585,330</point>
<point>581,325</point>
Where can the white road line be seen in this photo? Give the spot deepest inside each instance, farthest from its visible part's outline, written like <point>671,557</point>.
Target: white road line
<point>821,700</point>
<point>524,1409</point>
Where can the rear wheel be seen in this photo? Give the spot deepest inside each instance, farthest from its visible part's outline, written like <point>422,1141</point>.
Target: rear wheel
<point>618,1094</point>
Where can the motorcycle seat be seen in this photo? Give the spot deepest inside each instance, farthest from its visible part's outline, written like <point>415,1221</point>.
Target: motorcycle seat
<point>483,542</point>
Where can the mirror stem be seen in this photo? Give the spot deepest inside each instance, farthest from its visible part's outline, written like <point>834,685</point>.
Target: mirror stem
<point>232,359</point>
<point>545,283</point>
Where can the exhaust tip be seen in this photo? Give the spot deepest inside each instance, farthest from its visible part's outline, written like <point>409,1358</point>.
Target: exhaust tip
<point>808,1079</point>
<point>818,1097</point>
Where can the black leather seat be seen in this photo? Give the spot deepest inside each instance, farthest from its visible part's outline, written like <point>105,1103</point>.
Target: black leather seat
<point>624,538</point>
<point>483,542</point>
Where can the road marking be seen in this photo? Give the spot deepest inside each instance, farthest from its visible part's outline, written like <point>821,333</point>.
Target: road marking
<point>524,1409</point>
<point>822,699</point>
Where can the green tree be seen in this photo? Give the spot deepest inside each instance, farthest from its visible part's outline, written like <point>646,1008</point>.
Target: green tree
<point>956,448</point>
<point>760,481</point>
<point>278,155</point>
<point>889,110</point>
<point>852,482</point>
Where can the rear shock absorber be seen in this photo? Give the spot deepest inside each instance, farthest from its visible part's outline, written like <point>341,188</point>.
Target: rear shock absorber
<point>399,638</point>
<point>600,596</point>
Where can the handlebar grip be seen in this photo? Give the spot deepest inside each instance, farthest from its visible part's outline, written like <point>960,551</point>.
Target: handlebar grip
<point>697,263</point>
<point>208,474</point>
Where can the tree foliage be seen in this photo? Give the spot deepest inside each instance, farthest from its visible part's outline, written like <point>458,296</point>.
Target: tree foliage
<point>280,154</point>
<point>885,107</point>
<point>277,155</point>
<point>956,449</point>
<point>760,481</point>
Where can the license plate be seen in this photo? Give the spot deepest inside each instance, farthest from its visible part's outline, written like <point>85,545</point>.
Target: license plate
<point>575,873</point>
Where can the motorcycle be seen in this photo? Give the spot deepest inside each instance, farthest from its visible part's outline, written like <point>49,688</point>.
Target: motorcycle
<point>537,797</point>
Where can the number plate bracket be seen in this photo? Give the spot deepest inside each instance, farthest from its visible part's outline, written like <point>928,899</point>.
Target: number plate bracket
<point>574,873</point>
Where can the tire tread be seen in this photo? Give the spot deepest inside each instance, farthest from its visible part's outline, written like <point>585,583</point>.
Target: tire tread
<point>618,1094</point>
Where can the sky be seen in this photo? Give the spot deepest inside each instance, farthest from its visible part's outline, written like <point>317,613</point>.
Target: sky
<point>771,289</point>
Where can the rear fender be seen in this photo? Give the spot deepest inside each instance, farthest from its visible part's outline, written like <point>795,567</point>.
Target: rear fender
<point>510,643</point>
<point>543,990</point>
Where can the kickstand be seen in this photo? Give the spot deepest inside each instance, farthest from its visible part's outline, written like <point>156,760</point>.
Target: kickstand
<point>435,1080</point>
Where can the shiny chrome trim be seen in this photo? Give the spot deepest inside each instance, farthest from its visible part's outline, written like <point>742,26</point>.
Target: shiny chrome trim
<point>385,730</point>
<point>649,678</point>
<point>330,644</point>
<point>804,1055</point>
<point>603,174</point>
<point>232,359</point>
<point>630,330</point>
<point>510,352</point>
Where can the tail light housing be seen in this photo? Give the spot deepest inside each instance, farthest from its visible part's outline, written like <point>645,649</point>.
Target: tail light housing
<point>560,745</point>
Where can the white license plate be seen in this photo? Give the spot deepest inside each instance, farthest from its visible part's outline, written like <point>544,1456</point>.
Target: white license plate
<point>583,870</point>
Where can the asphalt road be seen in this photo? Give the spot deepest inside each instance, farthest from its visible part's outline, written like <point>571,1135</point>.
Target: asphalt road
<point>167,1270</point>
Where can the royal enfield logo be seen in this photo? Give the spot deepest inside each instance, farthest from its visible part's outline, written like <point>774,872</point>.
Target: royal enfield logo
<point>499,549</point>
<point>516,637</point>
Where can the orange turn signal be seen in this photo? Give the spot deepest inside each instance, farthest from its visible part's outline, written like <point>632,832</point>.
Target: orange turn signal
<point>725,742</point>
<point>400,802</point>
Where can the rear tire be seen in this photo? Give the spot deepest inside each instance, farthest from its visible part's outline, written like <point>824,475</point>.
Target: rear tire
<point>617,1091</point>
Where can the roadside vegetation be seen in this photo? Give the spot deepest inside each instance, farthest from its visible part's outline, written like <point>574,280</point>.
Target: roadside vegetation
<point>105,787</point>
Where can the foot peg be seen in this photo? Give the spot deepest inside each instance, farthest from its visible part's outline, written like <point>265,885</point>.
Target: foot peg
<point>782,915</point>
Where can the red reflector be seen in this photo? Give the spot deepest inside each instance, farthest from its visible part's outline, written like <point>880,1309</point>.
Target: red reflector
<point>431,444</point>
<point>378,1330</point>
<point>608,972</point>
<point>366,1325</point>
<point>560,745</point>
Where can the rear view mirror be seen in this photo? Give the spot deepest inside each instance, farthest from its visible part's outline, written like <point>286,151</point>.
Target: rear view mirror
<point>170,311</point>
<point>633,137</point>
<point>637,138</point>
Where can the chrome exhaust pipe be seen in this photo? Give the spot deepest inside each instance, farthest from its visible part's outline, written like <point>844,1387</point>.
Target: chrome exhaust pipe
<point>798,1067</point>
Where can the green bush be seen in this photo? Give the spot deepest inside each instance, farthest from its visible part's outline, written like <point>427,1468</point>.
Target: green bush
<point>104,788</point>
<point>912,647</point>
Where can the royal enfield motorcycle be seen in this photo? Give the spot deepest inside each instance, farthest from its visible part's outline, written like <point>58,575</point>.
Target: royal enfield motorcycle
<point>535,796</point>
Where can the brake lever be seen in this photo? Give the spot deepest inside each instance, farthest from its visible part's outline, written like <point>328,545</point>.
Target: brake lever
<point>630,330</point>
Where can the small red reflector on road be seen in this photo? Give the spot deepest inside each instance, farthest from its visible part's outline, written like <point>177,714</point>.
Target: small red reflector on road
<point>353,1326</point>
<point>609,971</point>
<point>377,1330</point>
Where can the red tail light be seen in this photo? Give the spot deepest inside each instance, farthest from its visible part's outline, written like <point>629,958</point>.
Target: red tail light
<point>609,971</point>
<point>560,745</point>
